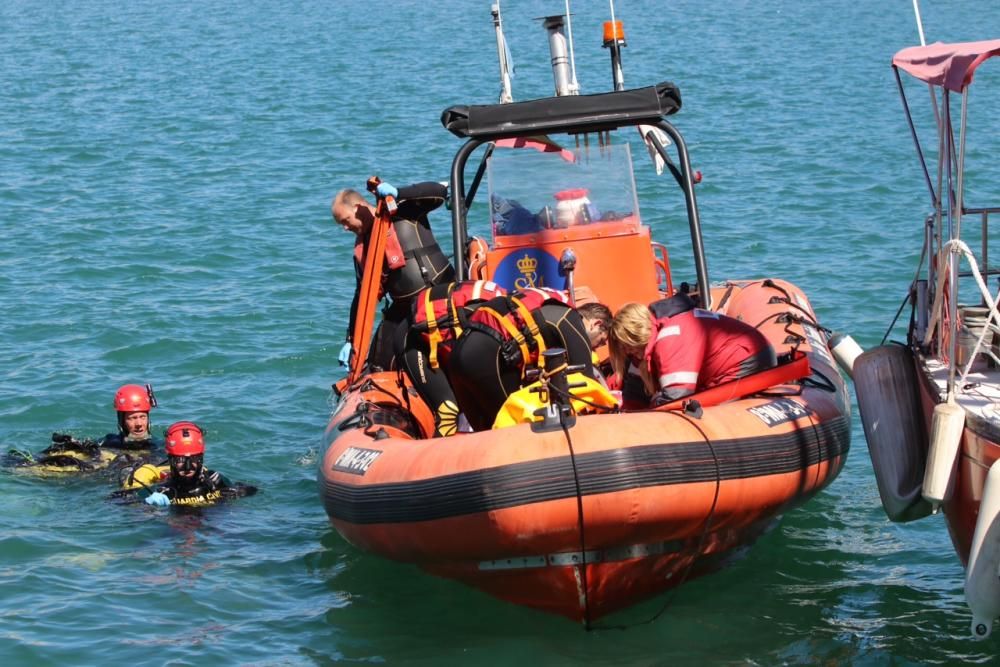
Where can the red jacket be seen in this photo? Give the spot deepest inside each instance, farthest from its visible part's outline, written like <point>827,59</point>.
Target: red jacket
<point>698,349</point>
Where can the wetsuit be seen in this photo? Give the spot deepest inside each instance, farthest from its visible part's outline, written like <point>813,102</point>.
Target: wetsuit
<point>413,261</point>
<point>120,442</point>
<point>490,357</point>
<point>693,349</point>
<point>114,452</point>
<point>210,488</point>
<point>440,314</point>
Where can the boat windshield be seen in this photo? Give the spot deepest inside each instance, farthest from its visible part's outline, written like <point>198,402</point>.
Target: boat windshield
<point>538,186</point>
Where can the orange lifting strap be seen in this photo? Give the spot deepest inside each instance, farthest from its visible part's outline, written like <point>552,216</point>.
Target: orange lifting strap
<point>433,329</point>
<point>515,333</point>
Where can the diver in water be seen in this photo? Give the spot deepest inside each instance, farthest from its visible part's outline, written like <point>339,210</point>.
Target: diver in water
<point>132,444</point>
<point>132,403</point>
<point>187,481</point>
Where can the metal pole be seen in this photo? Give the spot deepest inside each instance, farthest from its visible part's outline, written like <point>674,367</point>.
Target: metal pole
<point>954,230</point>
<point>561,74</point>
<point>701,265</point>
<point>913,133</point>
<point>458,212</point>
<point>504,57</point>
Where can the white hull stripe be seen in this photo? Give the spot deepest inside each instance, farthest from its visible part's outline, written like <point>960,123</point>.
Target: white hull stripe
<point>612,555</point>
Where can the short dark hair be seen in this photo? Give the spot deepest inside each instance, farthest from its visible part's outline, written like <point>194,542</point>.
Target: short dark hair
<point>350,197</point>
<point>596,311</point>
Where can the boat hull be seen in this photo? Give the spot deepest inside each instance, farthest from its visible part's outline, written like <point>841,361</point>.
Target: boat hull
<point>979,449</point>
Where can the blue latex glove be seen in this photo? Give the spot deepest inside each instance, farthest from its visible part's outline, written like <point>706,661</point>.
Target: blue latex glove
<point>345,354</point>
<point>158,499</point>
<point>385,190</point>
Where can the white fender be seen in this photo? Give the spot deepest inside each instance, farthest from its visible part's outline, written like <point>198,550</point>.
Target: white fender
<point>845,351</point>
<point>982,577</point>
<point>947,425</point>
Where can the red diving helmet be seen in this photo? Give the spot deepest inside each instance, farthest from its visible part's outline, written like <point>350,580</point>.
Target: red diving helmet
<point>134,398</point>
<point>185,439</point>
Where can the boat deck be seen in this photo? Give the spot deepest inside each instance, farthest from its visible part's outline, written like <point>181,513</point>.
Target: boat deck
<point>979,394</point>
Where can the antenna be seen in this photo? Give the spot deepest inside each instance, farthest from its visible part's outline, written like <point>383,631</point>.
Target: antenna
<point>574,86</point>
<point>503,55</point>
<point>923,42</point>
<point>614,38</point>
<point>920,23</point>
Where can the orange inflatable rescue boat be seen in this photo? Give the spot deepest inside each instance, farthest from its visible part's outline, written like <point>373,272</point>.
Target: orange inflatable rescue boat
<point>575,507</point>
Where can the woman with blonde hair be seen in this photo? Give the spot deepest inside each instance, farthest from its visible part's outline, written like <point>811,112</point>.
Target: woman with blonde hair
<point>677,349</point>
<point>627,341</point>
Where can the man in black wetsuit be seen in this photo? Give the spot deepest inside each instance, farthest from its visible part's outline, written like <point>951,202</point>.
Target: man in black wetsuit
<point>413,258</point>
<point>507,334</point>
<point>132,444</point>
<point>132,403</point>
<point>188,482</point>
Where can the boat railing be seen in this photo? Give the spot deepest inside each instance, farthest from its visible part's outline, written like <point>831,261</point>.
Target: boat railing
<point>984,217</point>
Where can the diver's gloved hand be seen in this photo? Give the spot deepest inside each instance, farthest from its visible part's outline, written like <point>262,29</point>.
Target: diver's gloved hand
<point>62,442</point>
<point>665,396</point>
<point>158,499</point>
<point>661,398</point>
<point>345,354</point>
<point>385,190</point>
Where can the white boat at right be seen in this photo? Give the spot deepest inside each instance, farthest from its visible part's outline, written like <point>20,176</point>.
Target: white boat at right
<point>931,408</point>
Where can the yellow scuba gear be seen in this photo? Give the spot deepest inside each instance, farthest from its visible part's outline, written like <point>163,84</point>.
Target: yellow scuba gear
<point>520,407</point>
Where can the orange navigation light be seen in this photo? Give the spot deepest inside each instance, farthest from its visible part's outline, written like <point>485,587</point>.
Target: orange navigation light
<point>613,30</point>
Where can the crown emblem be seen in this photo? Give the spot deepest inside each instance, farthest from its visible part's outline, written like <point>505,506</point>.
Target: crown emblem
<point>527,264</point>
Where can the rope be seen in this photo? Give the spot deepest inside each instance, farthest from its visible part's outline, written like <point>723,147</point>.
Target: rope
<point>913,283</point>
<point>796,319</point>
<point>580,524</point>
<point>701,538</point>
<point>570,395</point>
<point>959,247</point>
<point>826,384</point>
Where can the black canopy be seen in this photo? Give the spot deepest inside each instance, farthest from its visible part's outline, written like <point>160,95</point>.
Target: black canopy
<point>571,113</point>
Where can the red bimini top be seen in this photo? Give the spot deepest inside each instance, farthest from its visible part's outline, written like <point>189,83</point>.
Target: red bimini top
<point>947,65</point>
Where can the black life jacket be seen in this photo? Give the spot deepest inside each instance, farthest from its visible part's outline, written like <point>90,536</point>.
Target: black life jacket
<point>421,264</point>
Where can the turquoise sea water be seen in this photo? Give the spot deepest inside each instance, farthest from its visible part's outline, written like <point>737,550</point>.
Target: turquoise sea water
<point>165,176</point>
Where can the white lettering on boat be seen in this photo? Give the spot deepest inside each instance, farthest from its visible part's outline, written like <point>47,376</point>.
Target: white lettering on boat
<point>780,411</point>
<point>356,460</point>
<point>817,342</point>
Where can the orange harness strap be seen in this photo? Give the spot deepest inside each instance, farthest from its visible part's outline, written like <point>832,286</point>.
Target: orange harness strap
<point>511,330</point>
<point>517,334</point>
<point>433,327</point>
<point>530,323</point>
<point>433,332</point>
